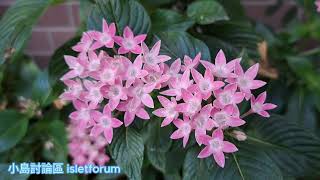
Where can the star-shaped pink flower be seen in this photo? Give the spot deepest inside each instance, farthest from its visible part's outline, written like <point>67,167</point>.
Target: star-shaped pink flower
<point>192,103</point>
<point>141,92</point>
<point>86,43</point>
<point>129,42</point>
<point>134,71</point>
<point>202,122</point>
<point>74,91</point>
<point>77,66</point>
<point>93,93</point>
<point>221,68</point>
<point>205,85</point>
<point>114,94</point>
<point>190,63</point>
<point>183,131</point>
<point>82,115</point>
<point>105,38</point>
<point>227,96</point>
<point>216,146</point>
<point>168,112</point>
<point>132,108</point>
<point>104,124</point>
<point>258,106</point>
<point>228,116</point>
<point>152,58</point>
<point>246,81</point>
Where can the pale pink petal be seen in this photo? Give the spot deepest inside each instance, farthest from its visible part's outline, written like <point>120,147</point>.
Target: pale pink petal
<point>229,147</point>
<point>185,140</point>
<point>196,76</point>
<point>205,152</point>
<point>105,27</point>
<point>163,58</point>
<point>166,121</point>
<point>257,84</point>
<point>143,114</point>
<point>220,59</point>
<point>112,29</point>
<point>236,122</point>
<point>176,135</point>
<point>156,48</point>
<point>238,97</point>
<point>96,131</point>
<point>238,69</point>
<point>108,134</point>
<point>147,100</point>
<point>79,104</point>
<point>160,112</point>
<point>178,123</point>
<point>137,50</point>
<point>127,32</point>
<point>116,123</point>
<point>269,106</point>
<point>261,98</point>
<point>252,71</point>
<point>122,50</point>
<point>140,38</point>
<point>217,134</point>
<point>176,66</point>
<point>219,158</point>
<point>164,101</point>
<point>128,118</point>
<point>264,114</point>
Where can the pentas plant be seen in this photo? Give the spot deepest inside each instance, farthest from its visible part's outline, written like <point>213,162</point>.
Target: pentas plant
<point>102,86</point>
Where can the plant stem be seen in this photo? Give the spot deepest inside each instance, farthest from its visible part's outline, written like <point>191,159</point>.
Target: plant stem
<point>246,114</point>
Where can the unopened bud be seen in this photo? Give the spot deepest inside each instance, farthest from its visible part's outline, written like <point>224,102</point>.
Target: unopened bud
<point>58,103</point>
<point>48,145</point>
<point>239,135</point>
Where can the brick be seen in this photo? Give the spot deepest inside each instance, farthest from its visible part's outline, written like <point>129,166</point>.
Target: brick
<point>6,2</point>
<point>59,38</point>
<point>39,42</point>
<point>56,16</point>
<point>3,9</point>
<point>76,14</point>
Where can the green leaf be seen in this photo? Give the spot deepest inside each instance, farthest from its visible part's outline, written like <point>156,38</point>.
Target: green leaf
<point>206,12</point>
<point>5,175</point>
<point>304,69</point>
<point>294,149</point>
<point>16,24</point>
<point>169,20</point>
<point>178,44</point>
<point>123,13</point>
<point>41,88</point>
<point>249,163</point>
<point>127,151</point>
<point>158,143</point>
<point>232,38</point>
<point>193,167</point>
<point>234,10</point>
<point>13,127</point>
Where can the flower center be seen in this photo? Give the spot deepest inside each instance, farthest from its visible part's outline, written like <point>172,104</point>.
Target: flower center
<point>186,128</point>
<point>243,82</point>
<point>94,65</point>
<point>257,107</point>
<point>105,38</point>
<point>221,118</point>
<point>105,121</point>
<point>114,91</point>
<point>216,144</point>
<point>225,98</point>
<point>205,86</point>
<point>128,44</point>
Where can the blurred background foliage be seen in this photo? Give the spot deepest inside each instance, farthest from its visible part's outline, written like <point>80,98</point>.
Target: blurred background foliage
<point>287,146</point>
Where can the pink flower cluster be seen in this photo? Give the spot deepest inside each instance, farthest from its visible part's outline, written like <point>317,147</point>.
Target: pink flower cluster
<point>209,102</point>
<point>101,87</point>
<point>317,3</point>
<point>85,149</point>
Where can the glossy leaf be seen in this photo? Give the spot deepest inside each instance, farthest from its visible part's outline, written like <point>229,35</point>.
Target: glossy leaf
<point>294,149</point>
<point>178,44</point>
<point>13,128</point>
<point>123,13</point>
<point>169,20</point>
<point>206,12</point>
<point>16,24</point>
<point>127,151</point>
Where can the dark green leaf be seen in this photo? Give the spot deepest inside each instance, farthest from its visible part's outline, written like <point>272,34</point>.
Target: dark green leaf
<point>294,149</point>
<point>127,151</point>
<point>206,12</point>
<point>232,38</point>
<point>123,13</point>
<point>13,127</point>
<point>179,44</point>
<point>5,175</point>
<point>16,24</point>
<point>249,163</point>
<point>41,88</point>
<point>193,167</point>
<point>169,20</point>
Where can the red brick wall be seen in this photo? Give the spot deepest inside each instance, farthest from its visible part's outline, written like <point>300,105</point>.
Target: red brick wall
<point>60,22</point>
